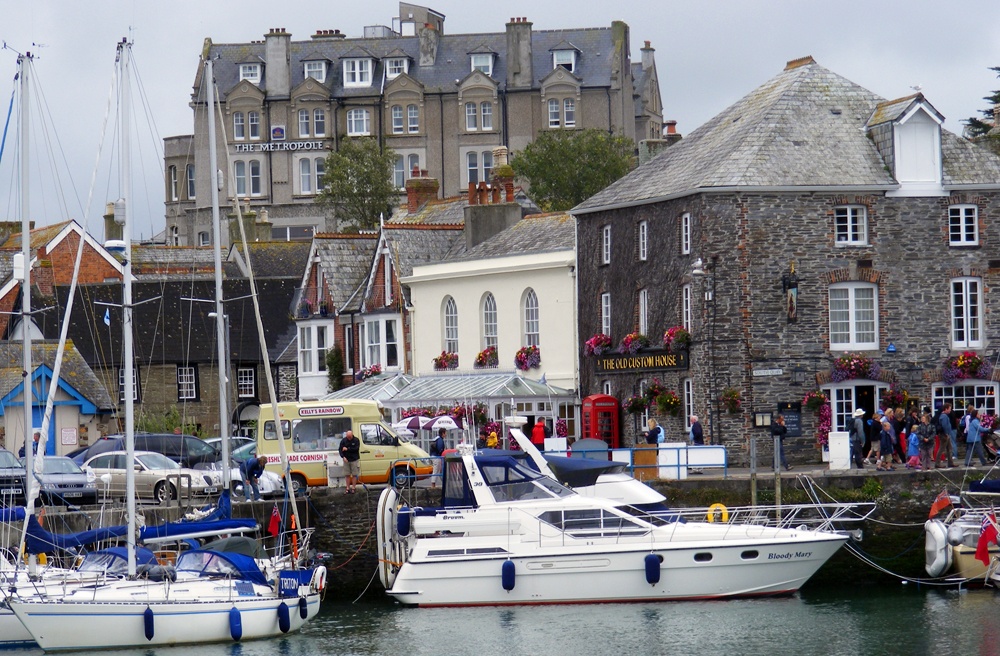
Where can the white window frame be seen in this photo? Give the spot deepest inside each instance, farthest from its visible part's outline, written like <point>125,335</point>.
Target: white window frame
<point>606,387</point>
<point>387,278</point>
<point>121,384</point>
<point>253,123</point>
<point>172,174</point>
<point>450,324</point>
<point>256,186</point>
<point>644,311</point>
<point>686,306</point>
<point>564,58</point>
<point>382,342</point>
<point>319,122</point>
<point>175,236</point>
<point>321,347</point>
<point>315,69</point>
<point>357,72</point>
<point>204,239</point>
<point>239,126</point>
<point>643,240</point>
<point>967,305</point>
<point>187,382</point>
<point>412,119</point>
<point>246,382</point>
<point>189,172</point>
<point>688,401</point>
<point>569,112</point>
<point>472,166</point>
<point>399,172</point>
<point>250,73</point>
<point>486,157</point>
<point>240,178</point>
<point>555,118</point>
<point>606,245</point>
<point>412,162</point>
<point>531,315</point>
<point>471,117</point>
<point>305,122</point>
<point>396,118</point>
<point>855,324</point>
<point>850,225</point>
<point>963,225</point>
<point>686,233</point>
<point>606,313</point>
<point>982,394</point>
<point>482,62</point>
<point>305,176</point>
<point>305,349</point>
<point>489,316</point>
<point>396,66</point>
<point>358,122</point>
<point>486,114</point>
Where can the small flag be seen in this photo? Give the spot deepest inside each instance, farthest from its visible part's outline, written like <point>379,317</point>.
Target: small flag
<point>107,316</point>
<point>987,534</point>
<point>542,380</point>
<point>274,526</point>
<point>941,502</point>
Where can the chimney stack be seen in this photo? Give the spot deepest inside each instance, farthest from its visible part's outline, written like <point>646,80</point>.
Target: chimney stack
<point>647,56</point>
<point>419,190</point>
<point>429,38</point>
<point>277,62</point>
<point>519,74</point>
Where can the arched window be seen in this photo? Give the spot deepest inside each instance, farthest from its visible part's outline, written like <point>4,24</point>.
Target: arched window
<point>175,236</point>
<point>489,321</point>
<point>530,318</point>
<point>450,325</point>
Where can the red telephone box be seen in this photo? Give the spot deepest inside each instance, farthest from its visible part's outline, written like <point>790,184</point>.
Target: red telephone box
<point>601,419</point>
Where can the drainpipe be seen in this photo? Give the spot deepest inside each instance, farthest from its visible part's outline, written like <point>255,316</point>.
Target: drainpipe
<point>441,119</point>
<point>607,92</point>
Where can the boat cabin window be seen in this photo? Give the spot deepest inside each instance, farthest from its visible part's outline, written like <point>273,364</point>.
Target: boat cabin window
<point>206,563</point>
<point>591,522</point>
<point>377,435</point>
<point>509,481</point>
<point>104,562</point>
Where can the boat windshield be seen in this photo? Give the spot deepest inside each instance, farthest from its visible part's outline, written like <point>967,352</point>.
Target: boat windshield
<point>508,480</point>
<point>104,562</point>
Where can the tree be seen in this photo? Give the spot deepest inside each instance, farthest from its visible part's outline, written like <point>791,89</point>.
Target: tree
<point>358,182</point>
<point>335,368</point>
<point>564,168</point>
<point>976,127</point>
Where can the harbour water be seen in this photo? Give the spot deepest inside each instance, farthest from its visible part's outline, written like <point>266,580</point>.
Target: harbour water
<point>848,621</point>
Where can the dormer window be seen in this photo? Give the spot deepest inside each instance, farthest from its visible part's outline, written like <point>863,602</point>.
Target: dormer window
<point>483,62</point>
<point>316,70</point>
<point>250,73</point>
<point>396,66</point>
<point>564,58</point>
<point>357,72</point>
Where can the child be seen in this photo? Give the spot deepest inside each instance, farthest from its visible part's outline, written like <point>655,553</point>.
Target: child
<point>913,451</point>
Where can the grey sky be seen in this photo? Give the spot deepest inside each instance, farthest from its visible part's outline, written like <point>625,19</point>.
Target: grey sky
<point>708,55</point>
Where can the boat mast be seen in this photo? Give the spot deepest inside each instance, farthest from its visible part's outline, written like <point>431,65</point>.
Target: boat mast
<point>220,318</point>
<point>124,60</point>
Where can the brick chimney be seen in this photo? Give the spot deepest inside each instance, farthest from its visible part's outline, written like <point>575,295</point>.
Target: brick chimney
<point>329,34</point>
<point>419,190</point>
<point>647,56</point>
<point>429,39</point>
<point>277,63</point>
<point>519,54</point>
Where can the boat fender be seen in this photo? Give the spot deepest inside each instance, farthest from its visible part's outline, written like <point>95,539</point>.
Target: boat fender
<point>147,623</point>
<point>720,510</point>
<point>284,618</point>
<point>235,623</point>
<point>653,568</point>
<point>507,575</point>
<point>956,534</point>
<point>403,521</point>
<point>303,608</point>
<point>319,579</point>
<point>937,553</point>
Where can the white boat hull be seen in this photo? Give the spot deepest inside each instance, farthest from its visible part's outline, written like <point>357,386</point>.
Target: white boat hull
<point>12,632</point>
<point>62,625</point>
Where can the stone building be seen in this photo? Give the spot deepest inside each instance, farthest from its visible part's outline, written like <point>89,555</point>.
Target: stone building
<point>810,220</point>
<point>442,102</point>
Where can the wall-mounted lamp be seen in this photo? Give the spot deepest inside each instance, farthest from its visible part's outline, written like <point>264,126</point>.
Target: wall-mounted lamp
<point>762,419</point>
<point>790,287</point>
<point>891,348</point>
<point>798,375</point>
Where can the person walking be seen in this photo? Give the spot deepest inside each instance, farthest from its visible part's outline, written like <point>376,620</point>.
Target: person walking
<point>251,470</point>
<point>886,439</point>
<point>350,451</point>
<point>856,434</point>
<point>655,433</point>
<point>778,431</point>
<point>973,439</point>
<point>926,432</point>
<point>696,435</point>
<point>946,436</point>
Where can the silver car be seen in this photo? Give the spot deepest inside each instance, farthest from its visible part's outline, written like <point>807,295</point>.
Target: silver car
<point>62,481</point>
<point>157,477</point>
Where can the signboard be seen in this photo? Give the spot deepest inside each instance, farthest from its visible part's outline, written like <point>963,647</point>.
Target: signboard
<point>793,418</point>
<point>277,133</point>
<point>67,437</point>
<point>273,146</point>
<point>640,362</point>
<point>767,372</point>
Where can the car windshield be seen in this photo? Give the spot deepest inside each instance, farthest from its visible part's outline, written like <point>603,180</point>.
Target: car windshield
<point>8,461</point>
<point>60,466</point>
<point>245,452</point>
<point>157,461</point>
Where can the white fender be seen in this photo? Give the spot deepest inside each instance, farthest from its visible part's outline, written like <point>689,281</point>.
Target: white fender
<point>956,534</point>
<point>937,552</point>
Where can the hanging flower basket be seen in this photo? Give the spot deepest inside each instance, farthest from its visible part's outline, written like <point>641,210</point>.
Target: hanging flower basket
<point>527,357</point>
<point>668,403</point>
<point>824,424</point>
<point>676,339</point>
<point>814,400</point>
<point>967,365</point>
<point>446,361</point>
<point>562,428</point>
<point>632,342</point>
<point>731,400</point>
<point>851,365</point>
<point>895,397</point>
<point>373,370</point>
<point>635,405</point>
<point>487,358</point>
<point>597,345</point>
<point>653,390</point>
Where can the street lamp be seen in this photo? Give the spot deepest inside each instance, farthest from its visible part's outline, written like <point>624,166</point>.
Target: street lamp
<point>701,271</point>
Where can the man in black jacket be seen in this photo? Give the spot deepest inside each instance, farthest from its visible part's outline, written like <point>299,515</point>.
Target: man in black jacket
<point>350,451</point>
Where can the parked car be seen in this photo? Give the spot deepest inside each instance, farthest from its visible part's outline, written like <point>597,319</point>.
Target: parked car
<point>186,450</point>
<point>269,483</point>
<point>12,479</point>
<point>62,481</point>
<point>156,476</point>
<point>235,442</point>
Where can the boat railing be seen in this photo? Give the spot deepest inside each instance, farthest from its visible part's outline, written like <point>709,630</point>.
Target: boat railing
<point>832,516</point>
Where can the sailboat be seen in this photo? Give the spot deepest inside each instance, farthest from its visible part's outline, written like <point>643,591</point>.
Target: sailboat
<point>208,596</point>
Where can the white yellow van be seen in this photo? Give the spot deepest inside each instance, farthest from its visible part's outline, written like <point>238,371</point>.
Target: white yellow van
<point>313,429</point>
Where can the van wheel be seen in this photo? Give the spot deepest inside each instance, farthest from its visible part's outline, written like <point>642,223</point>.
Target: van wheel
<point>401,477</point>
<point>164,492</point>
<point>299,484</point>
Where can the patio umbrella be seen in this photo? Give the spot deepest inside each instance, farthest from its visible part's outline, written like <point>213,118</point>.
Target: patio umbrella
<point>445,422</point>
<point>413,423</point>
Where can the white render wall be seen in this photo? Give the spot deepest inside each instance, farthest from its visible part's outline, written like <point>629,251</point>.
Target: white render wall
<point>551,275</point>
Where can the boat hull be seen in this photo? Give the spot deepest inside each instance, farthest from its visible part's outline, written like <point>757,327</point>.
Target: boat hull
<point>12,632</point>
<point>618,574</point>
<point>64,625</point>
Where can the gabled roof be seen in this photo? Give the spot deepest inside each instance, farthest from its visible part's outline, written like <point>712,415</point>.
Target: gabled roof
<point>344,260</point>
<point>892,110</point>
<point>75,372</point>
<point>539,233</point>
<point>161,262</point>
<point>39,236</point>
<point>803,128</point>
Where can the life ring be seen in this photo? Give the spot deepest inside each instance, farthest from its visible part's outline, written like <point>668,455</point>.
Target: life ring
<point>720,510</point>
<point>937,551</point>
<point>318,582</point>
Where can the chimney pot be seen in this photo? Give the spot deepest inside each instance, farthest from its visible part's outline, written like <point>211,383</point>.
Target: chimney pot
<point>647,44</point>
<point>671,127</point>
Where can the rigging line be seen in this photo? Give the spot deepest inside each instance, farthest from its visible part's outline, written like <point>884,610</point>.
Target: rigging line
<point>53,145</point>
<point>6,124</point>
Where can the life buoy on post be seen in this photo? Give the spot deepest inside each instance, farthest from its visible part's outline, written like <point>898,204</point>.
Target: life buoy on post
<point>318,582</point>
<point>720,510</point>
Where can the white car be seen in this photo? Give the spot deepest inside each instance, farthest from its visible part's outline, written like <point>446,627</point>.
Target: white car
<point>269,483</point>
<point>156,476</point>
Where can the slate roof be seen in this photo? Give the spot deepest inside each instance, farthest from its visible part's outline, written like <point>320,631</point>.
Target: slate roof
<point>74,371</point>
<point>412,246</point>
<point>539,233</point>
<point>156,262</point>
<point>594,63</point>
<point>438,211</point>
<point>802,128</point>
<point>345,261</point>
<point>272,259</point>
